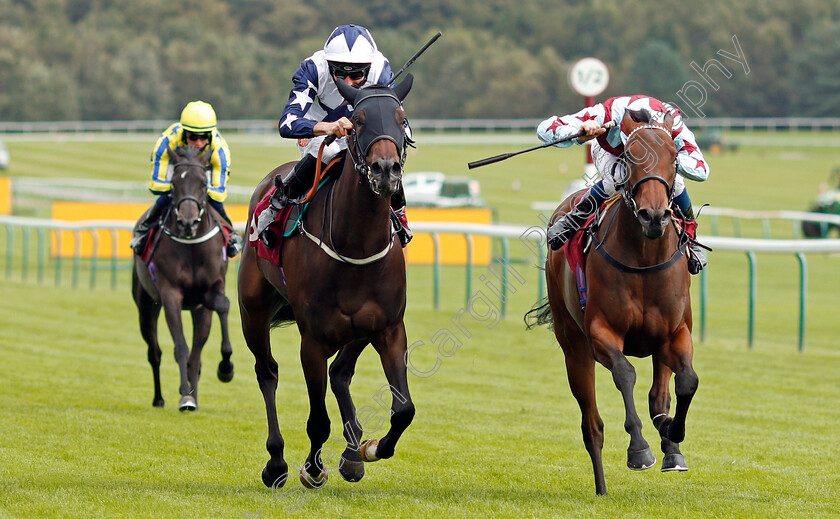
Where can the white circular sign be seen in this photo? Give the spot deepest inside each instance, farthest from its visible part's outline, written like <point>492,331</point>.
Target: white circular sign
<point>589,77</point>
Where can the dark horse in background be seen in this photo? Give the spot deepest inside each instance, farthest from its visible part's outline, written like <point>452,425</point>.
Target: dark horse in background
<point>639,304</point>
<point>343,282</point>
<point>186,270</point>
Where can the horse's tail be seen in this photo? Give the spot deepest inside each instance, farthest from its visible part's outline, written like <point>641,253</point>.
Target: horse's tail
<point>284,317</point>
<point>540,315</point>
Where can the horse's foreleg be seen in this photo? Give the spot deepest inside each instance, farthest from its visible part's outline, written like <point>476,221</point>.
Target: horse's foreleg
<point>149,311</point>
<point>639,455</point>
<point>391,346</point>
<point>685,384</point>
<point>202,319</point>
<point>172,303</point>
<point>659,401</point>
<point>313,358</point>
<point>221,305</point>
<point>341,372</point>
<point>580,369</point>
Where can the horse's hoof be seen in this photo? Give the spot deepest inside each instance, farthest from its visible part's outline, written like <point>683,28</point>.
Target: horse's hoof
<point>367,450</point>
<point>187,403</point>
<point>674,462</point>
<point>641,460</point>
<point>274,475</point>
<point>313,482</point>
<point>225,373</point>
<point>157,402</point>
<point>351,471</point>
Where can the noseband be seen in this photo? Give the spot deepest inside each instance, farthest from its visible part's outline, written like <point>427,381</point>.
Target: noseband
<point>628,192</point>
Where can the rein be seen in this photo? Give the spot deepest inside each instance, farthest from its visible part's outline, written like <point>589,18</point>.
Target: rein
<point>599,246</point>
<point>330,249</point>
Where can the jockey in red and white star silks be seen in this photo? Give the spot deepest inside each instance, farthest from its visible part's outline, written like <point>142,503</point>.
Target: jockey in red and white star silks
<point>607,150</point>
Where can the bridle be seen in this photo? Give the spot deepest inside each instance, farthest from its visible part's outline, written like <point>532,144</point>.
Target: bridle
<point>628,192</point>
<point>201,203</point>
<point>360,144</point>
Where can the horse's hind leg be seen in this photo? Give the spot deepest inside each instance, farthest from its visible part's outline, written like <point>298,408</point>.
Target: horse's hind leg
<point>202,320</point>
<point>221,304</point>
<point>351,466</point>
<point>391,346</point>
<point>149,312</point>
<point>257,304</point>
<point>659,400</point>
<point>313,357</point>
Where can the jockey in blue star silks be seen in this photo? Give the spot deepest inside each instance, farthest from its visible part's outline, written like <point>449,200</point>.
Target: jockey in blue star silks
<point>316,110</point>
<point>196,128</point>
<point>607,150</point>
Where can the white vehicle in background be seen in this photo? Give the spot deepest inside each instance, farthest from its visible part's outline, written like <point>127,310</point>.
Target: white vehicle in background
<point>5,158</point>
<point>434,189</point>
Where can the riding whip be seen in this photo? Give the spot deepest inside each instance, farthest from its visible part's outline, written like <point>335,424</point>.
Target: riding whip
<point>504,156</point>
<point>416,55</point>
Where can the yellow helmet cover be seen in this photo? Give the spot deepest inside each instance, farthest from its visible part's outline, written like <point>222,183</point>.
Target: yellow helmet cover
<point>198,117</point>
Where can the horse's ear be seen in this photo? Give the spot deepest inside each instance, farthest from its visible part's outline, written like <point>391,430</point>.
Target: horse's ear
<point>346,91</point>
<point>174,158</point>
<point>669,122</point>
<point>627,123</point>
<point>403,88</point>
<point>204,158</point>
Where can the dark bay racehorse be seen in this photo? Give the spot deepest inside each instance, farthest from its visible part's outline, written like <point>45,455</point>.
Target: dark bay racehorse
<point>343,282</point>
<point>186,271</point>
<point>639,305</point>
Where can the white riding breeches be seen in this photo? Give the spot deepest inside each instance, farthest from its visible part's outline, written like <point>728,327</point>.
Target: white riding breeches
<point>614,172</point>
<point>311,147</point>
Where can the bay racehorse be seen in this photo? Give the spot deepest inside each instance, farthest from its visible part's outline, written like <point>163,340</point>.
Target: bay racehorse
<point>343,282</point>
<point>185,270</point>
<point>638,304</point>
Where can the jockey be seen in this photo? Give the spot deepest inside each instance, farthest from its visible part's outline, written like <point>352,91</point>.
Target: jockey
<point>316,110</point>
<point>607,151</point>
<point>197,128</point>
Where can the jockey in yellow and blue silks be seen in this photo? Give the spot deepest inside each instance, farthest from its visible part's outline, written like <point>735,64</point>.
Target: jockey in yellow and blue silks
<point>196,128</point>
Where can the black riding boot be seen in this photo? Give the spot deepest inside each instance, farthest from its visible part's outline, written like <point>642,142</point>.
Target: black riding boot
<point>235,244</point>
<point>696,257</point>
<point>571,222</point>
<point>288,191</point>
<point>141,232</point>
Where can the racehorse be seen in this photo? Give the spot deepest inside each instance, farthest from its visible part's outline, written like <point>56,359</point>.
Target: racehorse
<point>638,303</point>
<point>186,270</point>
<point>342,280</point>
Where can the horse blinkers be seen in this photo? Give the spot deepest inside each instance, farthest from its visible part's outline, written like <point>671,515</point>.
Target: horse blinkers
<point>378,118</point>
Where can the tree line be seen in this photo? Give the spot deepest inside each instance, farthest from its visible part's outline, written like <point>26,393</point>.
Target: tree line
<point>128,60</point>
